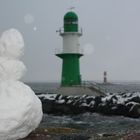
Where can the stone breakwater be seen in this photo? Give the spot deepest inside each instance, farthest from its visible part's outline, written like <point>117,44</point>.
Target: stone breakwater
<point>125,104</point>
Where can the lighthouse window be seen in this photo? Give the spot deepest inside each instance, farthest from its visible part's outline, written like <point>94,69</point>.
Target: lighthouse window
<point>74,22</point>
<point>71,22</point>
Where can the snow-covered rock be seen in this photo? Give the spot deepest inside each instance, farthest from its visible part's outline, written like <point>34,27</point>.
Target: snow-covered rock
<point>20,108</point>
<point>126,104</point>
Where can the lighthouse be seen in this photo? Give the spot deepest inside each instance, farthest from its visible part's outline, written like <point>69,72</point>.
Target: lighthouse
<point>71,81</point>
<point>71,51</point>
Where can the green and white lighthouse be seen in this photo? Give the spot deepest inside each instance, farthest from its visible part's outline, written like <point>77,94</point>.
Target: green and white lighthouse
<point>71,51</point>
<point>71,82</point>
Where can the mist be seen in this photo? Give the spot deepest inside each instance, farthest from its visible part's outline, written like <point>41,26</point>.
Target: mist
<point>110,37</point>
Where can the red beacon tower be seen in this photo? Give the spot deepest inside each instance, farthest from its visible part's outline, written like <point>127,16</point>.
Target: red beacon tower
<point>105,77</point>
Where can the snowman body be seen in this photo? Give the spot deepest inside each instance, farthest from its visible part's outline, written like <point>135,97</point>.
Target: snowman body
<point>20,108</point>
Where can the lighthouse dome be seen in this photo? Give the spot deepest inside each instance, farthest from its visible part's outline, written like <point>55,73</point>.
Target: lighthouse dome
<point>71,16</point>
<point>70,22</point>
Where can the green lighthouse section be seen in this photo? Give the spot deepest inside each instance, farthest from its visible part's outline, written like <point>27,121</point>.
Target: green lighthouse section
<point>70,22</point>
<point>70,69</point>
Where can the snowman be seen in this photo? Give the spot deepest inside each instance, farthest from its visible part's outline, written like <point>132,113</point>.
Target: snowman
<point>20,108</point>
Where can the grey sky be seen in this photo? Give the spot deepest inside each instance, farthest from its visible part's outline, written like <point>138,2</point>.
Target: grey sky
<point>111,26</point>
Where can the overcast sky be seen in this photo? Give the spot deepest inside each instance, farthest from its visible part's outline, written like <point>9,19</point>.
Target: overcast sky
<point>111,38</point>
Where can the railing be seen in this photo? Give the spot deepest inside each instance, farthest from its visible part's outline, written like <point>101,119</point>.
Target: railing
<point>91,85</point>
<point>88,83</point>
<point>62,32</point>
<point>60,51</point>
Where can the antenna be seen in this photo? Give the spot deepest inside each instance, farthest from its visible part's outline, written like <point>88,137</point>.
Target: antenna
<point>71,8</point>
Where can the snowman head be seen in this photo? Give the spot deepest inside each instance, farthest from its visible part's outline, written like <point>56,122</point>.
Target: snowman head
<point>11,44</point>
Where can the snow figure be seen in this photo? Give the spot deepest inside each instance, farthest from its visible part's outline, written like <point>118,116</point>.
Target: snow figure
<point>20,108</point>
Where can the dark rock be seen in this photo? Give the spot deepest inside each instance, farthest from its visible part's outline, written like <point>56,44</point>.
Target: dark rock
<point>135,111</point>
<point>134,99</point>
<point>89,99</point>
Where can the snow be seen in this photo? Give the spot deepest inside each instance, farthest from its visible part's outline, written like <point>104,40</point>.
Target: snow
<point>69,101</point>
<point>11,44</point>
<point>133,105</point>
<point>60,101</point>
<point>121,98</point>
<point>85,105</point>
<point>48,96</point>
<point>92,103</point>
<point>11,69</point>
<point>20,108</point>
